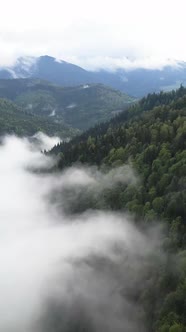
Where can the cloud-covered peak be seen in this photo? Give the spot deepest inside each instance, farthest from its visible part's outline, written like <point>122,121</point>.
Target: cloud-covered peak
<point>112,64</point>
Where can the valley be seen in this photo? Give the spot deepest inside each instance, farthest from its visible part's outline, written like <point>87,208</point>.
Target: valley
<point>79,107</point>
<point>105,201</point>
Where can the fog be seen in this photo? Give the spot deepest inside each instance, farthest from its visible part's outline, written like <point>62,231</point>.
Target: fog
<point>61,271</point>
<point>44,142</point>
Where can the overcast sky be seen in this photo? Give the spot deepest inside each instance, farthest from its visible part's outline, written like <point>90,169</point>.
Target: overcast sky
<point>94,33</point>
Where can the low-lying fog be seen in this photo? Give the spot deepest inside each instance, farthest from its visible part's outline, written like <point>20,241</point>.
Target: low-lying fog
<point>64,272</point>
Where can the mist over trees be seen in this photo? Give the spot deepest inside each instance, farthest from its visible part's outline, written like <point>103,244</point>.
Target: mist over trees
<point>96,227</point>
<point>66,271</point>
<point>151,138</point>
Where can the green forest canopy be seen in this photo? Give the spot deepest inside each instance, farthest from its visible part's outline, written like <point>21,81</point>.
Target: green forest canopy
<point>151,137</point>
<point>13,120</point>
<point>79,107</point>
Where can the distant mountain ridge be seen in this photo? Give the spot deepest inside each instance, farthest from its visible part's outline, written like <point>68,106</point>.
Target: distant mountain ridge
<point>79,107</point>
<point>136,82</point>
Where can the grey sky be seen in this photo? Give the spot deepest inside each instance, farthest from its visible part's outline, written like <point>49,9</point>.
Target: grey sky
<point>94,33</point>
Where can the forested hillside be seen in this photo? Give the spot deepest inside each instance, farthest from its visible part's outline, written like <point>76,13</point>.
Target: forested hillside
<point>79,107</point>
<point>13,120</point>
<point>151,138</point>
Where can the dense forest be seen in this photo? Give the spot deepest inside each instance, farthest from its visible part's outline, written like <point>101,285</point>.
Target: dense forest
<point>150,137</point>
<point>13,120</point>
<point>79,107</point>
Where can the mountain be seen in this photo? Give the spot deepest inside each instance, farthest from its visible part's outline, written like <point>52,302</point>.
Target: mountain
<point>80,107</point>
<point>136,82</point>
<point>140,82</point>
<point>150,138</point>
<point>14,120</point>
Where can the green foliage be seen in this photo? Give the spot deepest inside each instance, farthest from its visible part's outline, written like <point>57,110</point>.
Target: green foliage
<point>150,136</point>
<point>177,328</point>
<point>13,120</point>
<point>80,107</point>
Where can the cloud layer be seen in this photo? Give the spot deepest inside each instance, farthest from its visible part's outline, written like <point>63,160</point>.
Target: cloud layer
<point>89,30</point>
<point>64,269</point>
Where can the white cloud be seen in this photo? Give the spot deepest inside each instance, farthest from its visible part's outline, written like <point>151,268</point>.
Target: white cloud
<point>44,142</point>
<point>113,63</point>
<point>43,250</point>
<point>87,29</point>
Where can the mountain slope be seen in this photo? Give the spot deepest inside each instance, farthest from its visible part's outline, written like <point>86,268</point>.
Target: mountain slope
<point>136,82</point>
<point>13,120</point>
<point>151,138</point>
<point>80,107</point>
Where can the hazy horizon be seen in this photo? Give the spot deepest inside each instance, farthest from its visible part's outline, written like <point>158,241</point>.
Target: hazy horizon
<point>93,34</point>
